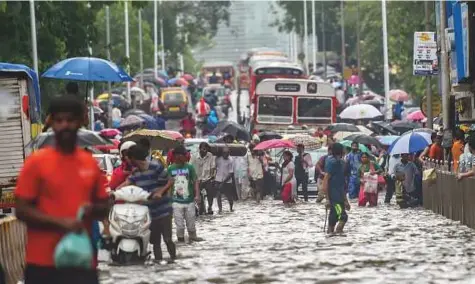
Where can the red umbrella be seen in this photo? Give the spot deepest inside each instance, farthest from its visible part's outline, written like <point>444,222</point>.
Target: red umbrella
<point>109,132</point>
<point>108,148</point>
<point>398,95</point>
<point>274,143</point>
<point>173,134</point>
<point>188,77</point>
<point>181,82</point>
<point>416,116</point>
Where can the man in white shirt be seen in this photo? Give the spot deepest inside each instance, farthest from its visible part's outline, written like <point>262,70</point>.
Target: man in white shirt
<point>224,179</point>
<point>205,167</point>
<point>255,172</point>
<point>391,177</point>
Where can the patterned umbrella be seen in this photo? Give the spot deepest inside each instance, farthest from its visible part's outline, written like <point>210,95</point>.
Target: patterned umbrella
<point>274,144</point>
<point>159,140</point>
<point>309,142</point>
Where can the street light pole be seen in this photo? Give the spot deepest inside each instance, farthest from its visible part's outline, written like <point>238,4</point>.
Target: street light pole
<point>155,38</point>
<point>140,49</point>
<point>358,50</point>
<point>314,38</point>
<point>385,55</point>
<point>322,13</point>
<point>162,43</point>
<point>305,24</point>
<point>33,36</point>
<point>108,49</point>
<point>343,45</point>
<point>127,48</point>
<point>444,68</point>
<point>430,115</point>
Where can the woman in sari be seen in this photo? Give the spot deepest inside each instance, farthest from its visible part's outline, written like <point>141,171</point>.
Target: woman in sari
<point>368,168</point>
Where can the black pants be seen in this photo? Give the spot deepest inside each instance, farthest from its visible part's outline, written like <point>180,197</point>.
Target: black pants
<point>42,274</point>
<point>210,194</point>
<point>227,190</point>
<point>258,188</point>
<point>337,214</point>
<point>303,180</point>
<point>390,188</point>
<point>162,227</point>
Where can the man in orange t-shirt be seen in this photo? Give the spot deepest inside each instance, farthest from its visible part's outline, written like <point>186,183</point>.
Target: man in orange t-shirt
<point>436,151</point>
<point>53,184</point>
<point>457,148</point>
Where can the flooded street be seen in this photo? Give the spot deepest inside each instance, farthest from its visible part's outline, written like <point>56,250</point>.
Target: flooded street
<point>268,243</point>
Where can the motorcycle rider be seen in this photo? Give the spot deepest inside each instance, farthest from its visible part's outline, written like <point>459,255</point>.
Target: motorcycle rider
<point>188,125</point>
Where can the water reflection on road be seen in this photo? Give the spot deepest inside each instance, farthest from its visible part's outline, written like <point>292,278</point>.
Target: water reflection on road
<point>269,243</point>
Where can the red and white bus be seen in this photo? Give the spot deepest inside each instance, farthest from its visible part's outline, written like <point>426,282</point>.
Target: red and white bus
<point>267,70</point>
<point>280,103</point>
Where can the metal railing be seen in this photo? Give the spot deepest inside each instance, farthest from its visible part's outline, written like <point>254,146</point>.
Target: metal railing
<point>448,196</point>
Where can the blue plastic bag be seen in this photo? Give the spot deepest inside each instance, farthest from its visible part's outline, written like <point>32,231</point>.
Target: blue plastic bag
<point>74,250</point>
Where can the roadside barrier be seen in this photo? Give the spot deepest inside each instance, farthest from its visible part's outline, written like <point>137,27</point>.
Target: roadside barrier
<point>12,249</point>
<point>445,195</point>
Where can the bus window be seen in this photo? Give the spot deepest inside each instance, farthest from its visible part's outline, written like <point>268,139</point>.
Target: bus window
<point>314,110</point>
<point>275,109</point>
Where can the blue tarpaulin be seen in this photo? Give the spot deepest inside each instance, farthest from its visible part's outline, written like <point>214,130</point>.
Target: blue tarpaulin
<point>33,85</point>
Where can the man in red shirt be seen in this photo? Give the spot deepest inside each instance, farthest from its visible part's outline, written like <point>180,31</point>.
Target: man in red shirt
<point>53,184</point>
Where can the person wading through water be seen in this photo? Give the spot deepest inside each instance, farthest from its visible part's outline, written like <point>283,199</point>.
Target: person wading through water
<point>303,161</point>
<point>334,188</point>
<point>205,166</point>
<point>255,172</point>
<point>224,176</point>
<point>53,185</point>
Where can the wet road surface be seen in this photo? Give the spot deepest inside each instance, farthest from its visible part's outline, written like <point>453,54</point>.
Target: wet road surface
<point>269,243</point>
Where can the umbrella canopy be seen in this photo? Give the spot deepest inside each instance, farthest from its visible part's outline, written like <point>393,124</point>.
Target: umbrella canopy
<point>407,144</point>
<point>133,112</point>
<point>337,127</point>
<point>174,134</point>
<point>339,136</point>
<point>383,127</point>
<point>178,81</point>
<point>149,121</point>
<point>364,139</point>
<point>110,132</point>
<point>87,69</point>
<point>274,144</point>
<point>188,77</point>
<point>398,95</point>
<point>309,142</point>
<point>139,94</point>
<point>159,140</point>
<point>387,140</point>
<point>361,111</point>
<point>163,74</point>
<point>268,135</point>
<point>425,134</point>
<point>364,129</point>
<point>426,130</point>
<point>131,120</point>
<point>354,80</point>
<point>229,127</point>
<point>404,126</point>
<point>86,138</point>
<point>363,148</point>
<point>416,116</point>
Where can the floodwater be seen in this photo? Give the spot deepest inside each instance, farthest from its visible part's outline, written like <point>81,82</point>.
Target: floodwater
<point>269,243</point>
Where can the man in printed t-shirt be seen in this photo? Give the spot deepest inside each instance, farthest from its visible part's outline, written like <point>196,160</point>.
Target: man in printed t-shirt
<point>185,192</point>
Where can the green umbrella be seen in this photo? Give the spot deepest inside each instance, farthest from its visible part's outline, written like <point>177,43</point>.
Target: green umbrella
<point>363,148</point>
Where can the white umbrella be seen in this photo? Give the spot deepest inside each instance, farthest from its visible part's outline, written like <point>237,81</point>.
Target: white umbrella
<point>361,111</point>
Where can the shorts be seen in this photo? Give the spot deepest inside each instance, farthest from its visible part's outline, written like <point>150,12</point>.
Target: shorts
<point>337,214</point>
<point>35,274</point>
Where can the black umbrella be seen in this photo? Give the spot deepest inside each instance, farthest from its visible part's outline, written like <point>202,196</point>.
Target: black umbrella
<point>364,139</point>
<point>268,135</point>
<point>133,112</point>
<point>232,128</point>
<point>404,126</point>
<point>86,138</point>
<point>383,128</point>
<point>337,127</point>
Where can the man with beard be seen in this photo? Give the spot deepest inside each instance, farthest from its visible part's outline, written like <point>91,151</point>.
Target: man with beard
<point>53,185</point>
<point>205,168</point>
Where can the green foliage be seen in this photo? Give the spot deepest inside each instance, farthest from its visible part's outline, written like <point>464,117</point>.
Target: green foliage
<point>403,19</point>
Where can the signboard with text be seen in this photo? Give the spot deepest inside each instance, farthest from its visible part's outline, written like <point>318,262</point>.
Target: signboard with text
<point>425,59</point>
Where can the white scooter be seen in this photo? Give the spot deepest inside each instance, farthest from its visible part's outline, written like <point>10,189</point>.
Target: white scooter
<point>130,225</point>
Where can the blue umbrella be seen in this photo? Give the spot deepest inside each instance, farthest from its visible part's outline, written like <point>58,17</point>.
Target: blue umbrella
<point>162,74</point>
<point>87,69</point>
<point>388,140</point>
<point>172,81</point>
<point>149,121</point>
<point>410,143</point>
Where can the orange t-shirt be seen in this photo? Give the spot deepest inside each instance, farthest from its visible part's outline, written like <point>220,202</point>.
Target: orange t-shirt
<point>59,184</point>
<point>436,152</point>
<point>457,150</point>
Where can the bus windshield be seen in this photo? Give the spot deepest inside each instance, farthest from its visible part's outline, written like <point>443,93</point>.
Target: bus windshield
<point>314,110</point>
<point>275,109</point>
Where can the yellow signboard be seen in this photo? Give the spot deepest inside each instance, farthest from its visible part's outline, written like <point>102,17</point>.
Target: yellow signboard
<point>436,105</point>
